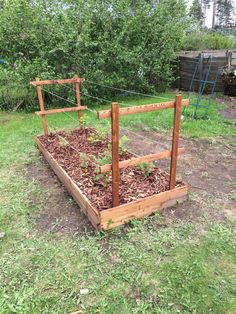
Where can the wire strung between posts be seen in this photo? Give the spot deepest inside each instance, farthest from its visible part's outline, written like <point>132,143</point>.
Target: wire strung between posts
<point>66,100</point>
<point>95,112</point>
<point>142,136</point>
<point>110,101</point>
<point>125,90</point>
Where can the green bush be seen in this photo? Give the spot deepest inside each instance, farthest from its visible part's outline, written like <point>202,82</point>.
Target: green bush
<point>129,44</point>
<point>204,41</point>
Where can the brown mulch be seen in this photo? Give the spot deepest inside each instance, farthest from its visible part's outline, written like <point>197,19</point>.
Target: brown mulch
<point>77,153</point>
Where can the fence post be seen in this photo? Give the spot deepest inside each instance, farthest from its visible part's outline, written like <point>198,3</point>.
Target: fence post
<point>41,104</point>
<point>115,153</point>
<point>175,141</point>
<point>77,92</point>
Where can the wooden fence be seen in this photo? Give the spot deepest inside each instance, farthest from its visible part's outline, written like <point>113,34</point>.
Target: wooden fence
<point>187,62</point>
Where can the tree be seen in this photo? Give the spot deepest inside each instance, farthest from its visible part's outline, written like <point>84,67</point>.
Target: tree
<point>196,11</point>
<point>224,12</point>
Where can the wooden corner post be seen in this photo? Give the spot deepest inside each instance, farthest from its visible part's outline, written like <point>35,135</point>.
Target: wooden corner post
<point>78,100</point>
<point>41,104</point>
<point>115,153</point>
<point>175,141</point>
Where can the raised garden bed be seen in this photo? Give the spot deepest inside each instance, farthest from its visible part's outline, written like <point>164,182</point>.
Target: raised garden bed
<point>75,158</point>
<point>111,185</point>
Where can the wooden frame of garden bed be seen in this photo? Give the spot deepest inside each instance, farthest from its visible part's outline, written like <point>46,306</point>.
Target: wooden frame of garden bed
<point>119,214</point>
<point>115,216</point>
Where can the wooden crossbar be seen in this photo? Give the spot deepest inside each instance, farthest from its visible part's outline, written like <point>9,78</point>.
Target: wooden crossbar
<point>75,80</point>
<point>52,111</point>
<point>142,159</point>
<point>61,81</point>
<point>144,108</point>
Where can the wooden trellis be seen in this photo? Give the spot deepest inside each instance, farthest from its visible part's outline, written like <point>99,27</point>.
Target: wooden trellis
<point>114,114</point>
<point>118,214</point>
<point>43,113</point>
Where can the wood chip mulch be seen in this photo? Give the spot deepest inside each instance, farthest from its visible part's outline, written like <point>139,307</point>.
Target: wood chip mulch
<point>77,153</point>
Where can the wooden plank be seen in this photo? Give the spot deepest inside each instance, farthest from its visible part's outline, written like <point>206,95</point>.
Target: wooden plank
<point>175,141</point>
<point>52,111</point>
<point>144,108</point>
<point>61,81</point>
<point>41,104</point>
<point>116,216</point>
<point>92,213</point>
<point>142,159</point>
<point>78,100</point>
<point>115,153</point>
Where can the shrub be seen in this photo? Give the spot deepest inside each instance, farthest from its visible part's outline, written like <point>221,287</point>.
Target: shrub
<point>204,41</point>
<point>118,43</point>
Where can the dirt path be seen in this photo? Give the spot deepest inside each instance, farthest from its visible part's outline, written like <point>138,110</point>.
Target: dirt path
<point>208,168</point>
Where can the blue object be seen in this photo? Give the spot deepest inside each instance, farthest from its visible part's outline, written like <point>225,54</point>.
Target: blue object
<point>203,82</point>
<point>1,61</point>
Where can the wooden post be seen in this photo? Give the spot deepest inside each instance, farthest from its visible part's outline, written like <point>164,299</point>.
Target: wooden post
<point>115,153</point>
<point>175,141</point>
<point>41,104</point>
<point>77,92</point>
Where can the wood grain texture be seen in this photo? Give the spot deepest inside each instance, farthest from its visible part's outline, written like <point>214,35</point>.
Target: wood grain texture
<point>52,111</point>
<point>142,159</point>
<point>119,215</point>
<point>139,109</point>
<point>92,213</point>
<point>61,81</point>
<point>41,104</point>
<point>115,153</point>
<point>116,216</point>
<point>175,141</point>
<point>78,100</point>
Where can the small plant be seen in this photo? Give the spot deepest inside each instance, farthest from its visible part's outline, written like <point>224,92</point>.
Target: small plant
<point>63,142</point>
<point>103,178</point>
<point>69,133</point>
<point>124,139</point>
<point>98,136</point>
<point>84,161</point>
<point>146,168</point>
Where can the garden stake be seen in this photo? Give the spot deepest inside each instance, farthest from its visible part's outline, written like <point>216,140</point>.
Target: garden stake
<point>115,153</point>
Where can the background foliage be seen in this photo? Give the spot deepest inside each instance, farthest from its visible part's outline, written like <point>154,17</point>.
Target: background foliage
<point>202,40</point>
<point>121,43</point>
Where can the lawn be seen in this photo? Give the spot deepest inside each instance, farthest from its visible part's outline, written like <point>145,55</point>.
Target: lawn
<point>186,265</point>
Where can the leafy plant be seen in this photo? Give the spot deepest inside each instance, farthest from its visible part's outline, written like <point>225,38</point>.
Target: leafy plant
<point>146,168</point>
<point>48,38</point>
<point>98,136</point>
<point>63,142</point>
<point>124,139</point>
<point>84,160</point>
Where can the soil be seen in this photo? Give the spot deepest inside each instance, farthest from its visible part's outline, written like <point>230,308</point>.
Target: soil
<point>230,111</point>
<point>59,212</point>
<point>79,154</point>
<point>208,167</point>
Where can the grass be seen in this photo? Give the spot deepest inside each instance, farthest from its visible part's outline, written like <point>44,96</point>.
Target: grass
<point>146,267</point>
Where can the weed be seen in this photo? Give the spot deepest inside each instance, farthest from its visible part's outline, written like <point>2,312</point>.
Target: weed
<point>147,168</point>
<point>84,160</point>
<point>63,142</point>
<point>98,136</point>
<point>123,140</point>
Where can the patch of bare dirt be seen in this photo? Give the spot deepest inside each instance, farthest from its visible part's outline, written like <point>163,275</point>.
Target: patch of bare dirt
<point>230,102</point>
<point>59,213</point>
<point>208,168</point>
